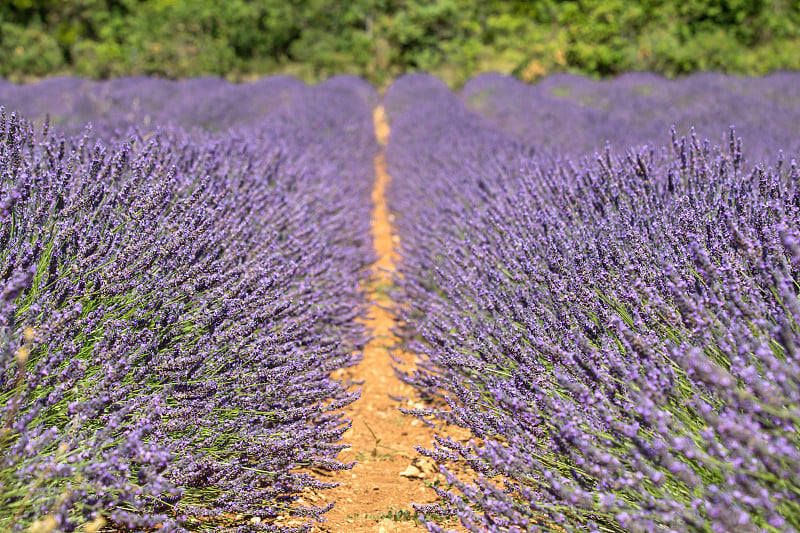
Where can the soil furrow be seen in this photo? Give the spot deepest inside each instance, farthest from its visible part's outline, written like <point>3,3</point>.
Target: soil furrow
<point>376,495</point>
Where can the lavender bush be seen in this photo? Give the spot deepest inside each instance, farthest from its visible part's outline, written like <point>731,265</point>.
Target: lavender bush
<point>171,306</point>
<point>619,332</point>
<point>211,104</point>
<point>574,115</point>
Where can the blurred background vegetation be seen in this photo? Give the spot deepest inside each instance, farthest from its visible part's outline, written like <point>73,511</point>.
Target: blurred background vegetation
<point>380,39</point>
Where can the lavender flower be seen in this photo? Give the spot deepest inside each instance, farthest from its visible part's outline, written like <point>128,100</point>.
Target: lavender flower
<point>618,331</point>
<point>172,304</point>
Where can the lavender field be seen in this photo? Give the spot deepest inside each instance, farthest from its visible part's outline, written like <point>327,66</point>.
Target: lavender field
<point>616,323</point>
<point>174,300</point>
<point>599,280</point>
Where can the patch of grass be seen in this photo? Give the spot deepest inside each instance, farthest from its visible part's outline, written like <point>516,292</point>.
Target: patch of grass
<point>392,513</point>
<point>374,455</point>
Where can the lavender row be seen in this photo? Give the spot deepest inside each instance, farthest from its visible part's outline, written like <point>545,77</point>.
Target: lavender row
<point>575,115</point>
<point>172,304</point>
<point>619,332</point>
<point>209,104</point>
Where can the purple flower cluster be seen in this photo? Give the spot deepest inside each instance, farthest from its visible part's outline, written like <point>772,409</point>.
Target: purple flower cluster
<point>209,104</point>
<point>620,332</point>
<point>173,301</point>
<point>573,114</point>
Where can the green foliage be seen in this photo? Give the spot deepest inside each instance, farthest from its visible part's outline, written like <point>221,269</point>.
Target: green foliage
<point>28,50</point>
<point>380,39</point>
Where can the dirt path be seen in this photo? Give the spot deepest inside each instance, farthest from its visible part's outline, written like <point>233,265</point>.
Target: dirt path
<point>376,495</point>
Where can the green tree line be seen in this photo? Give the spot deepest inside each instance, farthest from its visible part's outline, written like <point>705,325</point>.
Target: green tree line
<point>380,39</point>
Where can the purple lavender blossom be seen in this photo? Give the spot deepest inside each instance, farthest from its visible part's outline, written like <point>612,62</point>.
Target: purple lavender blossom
<point>173,301</point>
<point>619,330</point>
<point>575,115</point>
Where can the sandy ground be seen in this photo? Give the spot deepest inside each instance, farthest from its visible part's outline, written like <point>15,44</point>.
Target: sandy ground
<point>376,495</point>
